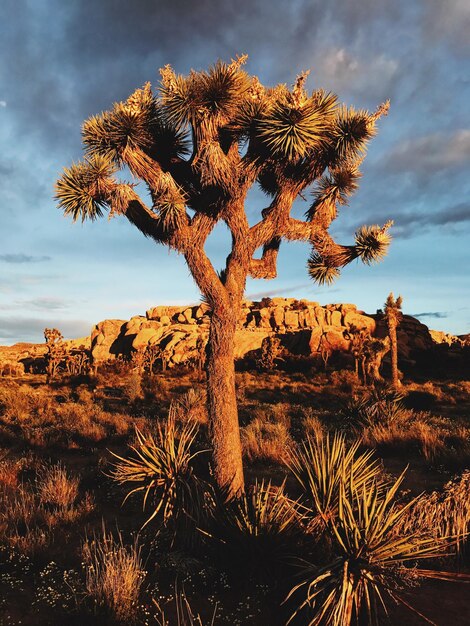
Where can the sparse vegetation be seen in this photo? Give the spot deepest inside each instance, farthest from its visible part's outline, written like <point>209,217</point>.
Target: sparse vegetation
<point>55,494</point>
<point>114,575</point>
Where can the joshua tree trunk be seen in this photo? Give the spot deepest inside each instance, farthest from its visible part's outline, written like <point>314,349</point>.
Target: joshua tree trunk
<point>392,331</point>
<point>393,316</point>
<point>222,402</point>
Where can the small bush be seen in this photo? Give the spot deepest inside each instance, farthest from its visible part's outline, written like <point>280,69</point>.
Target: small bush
<point>114,575</point>
<point>133,387</point>
<point>263,440</point>
<point>56,487</point>
<point>442,513</point>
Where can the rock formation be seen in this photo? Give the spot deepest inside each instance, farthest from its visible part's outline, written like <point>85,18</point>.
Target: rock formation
<point>304,328</point>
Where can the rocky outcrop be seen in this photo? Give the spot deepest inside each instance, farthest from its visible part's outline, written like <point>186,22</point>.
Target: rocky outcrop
<point>178,332</point>
<point>305,328</point>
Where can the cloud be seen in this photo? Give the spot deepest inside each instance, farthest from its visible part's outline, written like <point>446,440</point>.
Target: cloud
<point>3,104</point>
<point>434,314</point>
<point>23,258</point>
<point>408,224</point>
<point>31,329</point>
<point>448,21</point>
<point>374,76</point>
<point>430,154</point>
<point>42,303</point>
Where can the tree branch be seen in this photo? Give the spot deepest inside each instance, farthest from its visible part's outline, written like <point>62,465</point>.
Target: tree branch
<point>265,267</point>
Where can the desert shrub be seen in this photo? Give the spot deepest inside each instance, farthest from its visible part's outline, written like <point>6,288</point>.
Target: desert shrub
<point>442,514</point>
<point>258,530</point>
<point>66,423</point>
<point>162,467</point>
<point>30,510</point>
<point>265,303</point>
<point>21,402</point>
<point>133,387</point>
<point>345,380</point>
<point>10,471</point>
<point>84,395</point>
<point>368,565</point>
<point>424,433</point>
<point>269,353</point>
<point>114,575</point>
<point>328,468</point>
<point>56,487</point>
<point>264,440</point>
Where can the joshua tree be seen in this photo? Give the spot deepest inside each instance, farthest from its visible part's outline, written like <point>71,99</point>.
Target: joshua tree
<point>199,144</point>
<point>55,351</point>
<point>393,315</point>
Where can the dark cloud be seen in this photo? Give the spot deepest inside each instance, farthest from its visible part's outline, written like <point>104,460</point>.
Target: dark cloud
<point>13,328</point>
<point>434,314</point>
<point>409,224</point>
<point>23,258</point>
<point>449,22</point>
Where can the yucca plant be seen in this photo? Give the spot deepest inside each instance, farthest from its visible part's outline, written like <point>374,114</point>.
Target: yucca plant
<point>259,530</point>
<point>162,466</point>
<point>328,467</point>
<point>379,406</point>
<point>371,562</point>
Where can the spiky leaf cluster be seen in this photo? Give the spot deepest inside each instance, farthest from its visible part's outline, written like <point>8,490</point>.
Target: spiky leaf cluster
<point>335,189</point>
<point>212,96</point>
<point>135,123</point>
<point>360,515</point>
<point>372,242</point>
<point>321,270</point>
<point>291,129</point>
<point>82,188</point>
<point>349,135</point>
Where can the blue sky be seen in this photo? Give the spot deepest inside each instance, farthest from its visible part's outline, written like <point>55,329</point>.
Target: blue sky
<point>64,61</point>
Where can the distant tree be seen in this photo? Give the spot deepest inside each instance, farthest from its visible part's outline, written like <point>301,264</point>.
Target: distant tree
<point>270,351</point>
<point>199,144</point>
<point>55,351</point>
<point>393,315</point>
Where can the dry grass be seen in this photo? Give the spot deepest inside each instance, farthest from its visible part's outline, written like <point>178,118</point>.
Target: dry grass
<point>114,575</point>
<point>35,418</point>
<point>313,427</point>
<point>30,511</point>
<point>434,441</point>
<point>443,513</point>
<point>56,487</point>
<point>267,441</point>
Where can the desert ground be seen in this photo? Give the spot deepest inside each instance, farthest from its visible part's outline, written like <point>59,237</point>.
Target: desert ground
<point>77,547</point>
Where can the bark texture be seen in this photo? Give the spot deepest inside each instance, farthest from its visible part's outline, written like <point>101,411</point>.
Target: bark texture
<point>222,404</point>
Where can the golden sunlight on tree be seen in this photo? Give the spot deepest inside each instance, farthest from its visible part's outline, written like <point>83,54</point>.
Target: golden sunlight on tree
<point>199,143</point>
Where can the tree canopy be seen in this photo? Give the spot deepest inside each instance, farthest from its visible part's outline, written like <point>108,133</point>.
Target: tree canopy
<point>201,141</point>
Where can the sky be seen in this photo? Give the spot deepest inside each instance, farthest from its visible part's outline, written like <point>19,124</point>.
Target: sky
<point>62,62</point>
